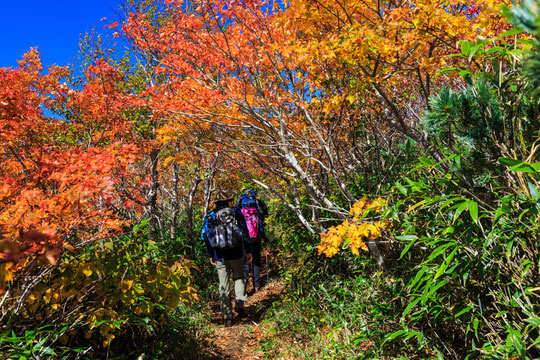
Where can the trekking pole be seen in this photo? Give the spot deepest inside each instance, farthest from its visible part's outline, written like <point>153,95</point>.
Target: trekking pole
<point>267,268</point>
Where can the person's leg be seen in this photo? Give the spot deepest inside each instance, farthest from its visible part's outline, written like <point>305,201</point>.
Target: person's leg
<point>238,278</point>
<point>256,246</point>
<point>239,284</point>
<point>224,290</point>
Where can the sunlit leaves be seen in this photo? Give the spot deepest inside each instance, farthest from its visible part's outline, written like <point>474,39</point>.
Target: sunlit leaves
<point>355,231</point>
<point>108,290</point>
<point>59,176</point>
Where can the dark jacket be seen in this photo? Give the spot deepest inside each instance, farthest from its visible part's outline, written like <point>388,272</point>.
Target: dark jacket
<point>226,254</point>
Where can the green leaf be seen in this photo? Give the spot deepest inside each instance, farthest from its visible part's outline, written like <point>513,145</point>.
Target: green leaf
<point>402,189</point>
<point>48,351</point>
<point>446,262</point>
<point>439,285</point>
<point>138,288</point>
<point>523,214</point>
<point>473,209</point>
<point>406,237</point>
<point>463,311</point>
<point>533,191</point>
<point>536,342</point>
<point>460,208</point>
<point>526,42</point>
<point>438,251</point>
<point>465,47</point>
<point>411,238</point>
<point>142,225</point>
<point>508,161</point>
<point>533,321</point>
<point>448,230</point>
<point>410,306</point>
<point>526,167</point>
<point>514,31</point>
<point>420,203</point>
<point>395,334</point>
<point>448,70</point>
<point>449,201</point>
<point>417,278</point>
<point>473,51</point>
<point>39,344</point>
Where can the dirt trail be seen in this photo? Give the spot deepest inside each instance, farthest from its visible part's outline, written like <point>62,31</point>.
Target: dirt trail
<point>241,340</point>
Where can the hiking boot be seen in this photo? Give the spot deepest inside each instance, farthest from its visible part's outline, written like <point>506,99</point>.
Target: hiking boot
<point>240,310</point>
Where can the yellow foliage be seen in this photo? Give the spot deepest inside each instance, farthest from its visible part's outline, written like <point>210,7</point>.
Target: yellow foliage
<point>126,285</point>
<point>5,275</point>
<point>354,232</point>
<point>106,292</point>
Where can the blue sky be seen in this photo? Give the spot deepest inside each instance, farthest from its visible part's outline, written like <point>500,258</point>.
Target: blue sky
<point>54,26</point>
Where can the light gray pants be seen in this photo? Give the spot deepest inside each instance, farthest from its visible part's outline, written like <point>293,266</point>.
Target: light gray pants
<point>225,270</point>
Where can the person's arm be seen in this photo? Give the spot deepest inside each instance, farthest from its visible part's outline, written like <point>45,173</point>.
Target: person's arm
<point>204,237</point>
<point>248,250</point>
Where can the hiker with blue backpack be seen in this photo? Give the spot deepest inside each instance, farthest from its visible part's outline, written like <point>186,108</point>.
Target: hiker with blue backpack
<point>254,211</point>
<point>227,240</point>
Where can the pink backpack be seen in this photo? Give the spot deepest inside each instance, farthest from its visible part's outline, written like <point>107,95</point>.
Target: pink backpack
<point>251,215</point>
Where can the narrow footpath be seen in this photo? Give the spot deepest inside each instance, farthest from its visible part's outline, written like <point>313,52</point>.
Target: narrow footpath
<point>241,340</point>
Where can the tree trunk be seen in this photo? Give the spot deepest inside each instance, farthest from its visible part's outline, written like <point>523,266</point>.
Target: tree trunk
<point>209,182</point>
<point>175,203</point>
<point>151,202</point>
<point>189,213</point>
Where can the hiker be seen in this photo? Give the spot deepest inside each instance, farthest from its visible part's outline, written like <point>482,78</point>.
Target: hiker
<point>254,211</point>
<point>225,234</point>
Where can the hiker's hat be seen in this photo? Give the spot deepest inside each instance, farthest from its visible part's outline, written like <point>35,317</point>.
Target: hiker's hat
<point>223,196</point>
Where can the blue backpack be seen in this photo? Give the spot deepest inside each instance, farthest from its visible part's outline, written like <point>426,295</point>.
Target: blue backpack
<point>249,201</point>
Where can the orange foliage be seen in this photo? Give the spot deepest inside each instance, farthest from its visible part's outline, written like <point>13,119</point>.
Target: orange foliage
<point>57,177</point>
<point>286,86</point>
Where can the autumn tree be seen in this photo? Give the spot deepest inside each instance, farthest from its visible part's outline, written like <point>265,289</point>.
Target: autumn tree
<point>286,86</point>
<point>58,176</point>
<point>386,57</point>
<point>222,71</point>
<point>192,164</point>
<point>70,189</point>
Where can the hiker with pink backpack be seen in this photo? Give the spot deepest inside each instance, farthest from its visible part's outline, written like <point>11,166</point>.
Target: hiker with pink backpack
<point>254,211</point>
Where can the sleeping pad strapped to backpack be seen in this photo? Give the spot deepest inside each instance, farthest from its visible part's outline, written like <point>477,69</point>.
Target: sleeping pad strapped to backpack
<point>224,232</point>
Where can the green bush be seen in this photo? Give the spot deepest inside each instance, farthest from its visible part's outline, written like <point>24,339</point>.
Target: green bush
<point>113,296</point>
<point>471,285</point>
